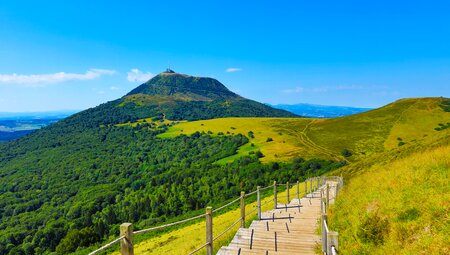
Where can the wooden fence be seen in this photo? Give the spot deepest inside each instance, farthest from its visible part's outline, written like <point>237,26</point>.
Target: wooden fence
<point>315,183</point>
<point>330,244</point>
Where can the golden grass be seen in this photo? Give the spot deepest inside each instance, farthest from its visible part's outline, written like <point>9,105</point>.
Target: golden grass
<point>283,147</point>
<point>186,239</point>
<point>365,134</point>
<point>410,121</point>
<point>416,123</point>
<point>385,178</point>
<point>412,194</point>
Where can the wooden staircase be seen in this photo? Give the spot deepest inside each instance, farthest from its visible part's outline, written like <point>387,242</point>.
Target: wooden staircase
<point>289,229</point>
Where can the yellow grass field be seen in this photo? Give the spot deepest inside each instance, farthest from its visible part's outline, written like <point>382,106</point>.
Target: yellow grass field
<point>404,202</point>
<point>186,239</point>
<point>284,145</point>
<point>410,121</point>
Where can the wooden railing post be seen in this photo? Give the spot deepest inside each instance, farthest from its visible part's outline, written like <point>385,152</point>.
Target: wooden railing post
<point>287,190</point>
<point>126,244</point>
<point>324,234</point>
<point>275,195</point>
<point>242,209</point>
<point>332,240</point>
<point>209,231</point>
<point>321,201</point>
<point>298,191</point>
<point>310,185</point>
<point>317,183</point>
<point>258,198</point>
<point>328,198</point>
<point>306,187</point>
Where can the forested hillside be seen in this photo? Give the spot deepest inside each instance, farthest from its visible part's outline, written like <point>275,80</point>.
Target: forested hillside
<point>74,189</point>
<point>72,183</point>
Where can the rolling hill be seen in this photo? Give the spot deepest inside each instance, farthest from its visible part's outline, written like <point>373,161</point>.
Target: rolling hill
<point>71,183</point>
<point>403,123</point>
<point>402,183</point>
<point>171,145</point>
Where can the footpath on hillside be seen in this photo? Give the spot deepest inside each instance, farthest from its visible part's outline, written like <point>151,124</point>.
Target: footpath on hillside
<point>289,229</point>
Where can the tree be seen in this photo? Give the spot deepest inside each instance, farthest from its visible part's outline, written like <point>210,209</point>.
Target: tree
<point>346,153</point>
<point>259,154</point>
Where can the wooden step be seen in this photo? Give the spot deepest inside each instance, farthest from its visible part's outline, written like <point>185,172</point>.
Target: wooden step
<point>295,230</point>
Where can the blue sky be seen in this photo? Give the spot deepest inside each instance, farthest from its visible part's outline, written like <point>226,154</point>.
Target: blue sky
<point>58,55</point>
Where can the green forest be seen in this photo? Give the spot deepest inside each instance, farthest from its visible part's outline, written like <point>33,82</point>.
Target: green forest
<point>78,184</point>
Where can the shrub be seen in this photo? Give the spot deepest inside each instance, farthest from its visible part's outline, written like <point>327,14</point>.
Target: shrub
<point>269,139</point>
<point>409,215</point>
<point>275,166</point>
<point>259,154</point>
<point>346,153</point>
<point>373,229</point>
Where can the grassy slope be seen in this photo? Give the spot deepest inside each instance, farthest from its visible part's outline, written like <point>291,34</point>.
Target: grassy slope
<point>409,195</point>
<point>284,146</point>
<point>366,134</point>
<point>185,239</point>
<point>401,178</point>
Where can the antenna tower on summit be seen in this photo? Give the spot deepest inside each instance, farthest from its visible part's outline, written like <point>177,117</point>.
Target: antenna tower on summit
<point>168,70</point>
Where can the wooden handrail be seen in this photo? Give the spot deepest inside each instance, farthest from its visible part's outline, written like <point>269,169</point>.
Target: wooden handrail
<point>329,238</point>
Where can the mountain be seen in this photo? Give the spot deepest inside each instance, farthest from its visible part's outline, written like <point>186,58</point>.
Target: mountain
<point>185,87</point>
<point>135,159</point>
<point>177,97</point>
<point>71,184</point>
<point>320,111</point>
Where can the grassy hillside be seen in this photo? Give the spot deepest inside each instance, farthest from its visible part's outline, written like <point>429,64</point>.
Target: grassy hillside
<point>74,182</point>
<point>398,206</point>
<point>406,123</point>
<point>282,147</point>
<point>397,195</point>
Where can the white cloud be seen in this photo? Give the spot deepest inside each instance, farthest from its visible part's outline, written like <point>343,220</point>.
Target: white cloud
<point>293,90</point>
<point>114,88</point>
<point>36,79</point>
<point>136,75</point>
<point>233,69</point>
